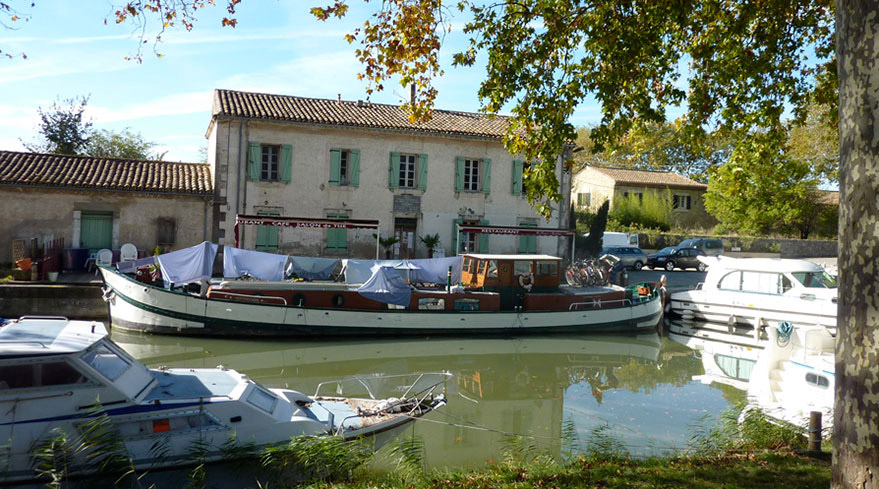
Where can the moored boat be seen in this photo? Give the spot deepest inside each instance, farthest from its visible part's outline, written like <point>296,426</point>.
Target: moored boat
<point>760,291</point>
<point>61,378</point>
<point>492,294</point>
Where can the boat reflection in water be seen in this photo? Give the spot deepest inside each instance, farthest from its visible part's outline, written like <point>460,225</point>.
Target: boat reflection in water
<point>503,386</point>
<point>787,371</point>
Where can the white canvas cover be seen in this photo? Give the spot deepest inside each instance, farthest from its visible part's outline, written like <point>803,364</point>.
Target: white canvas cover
<point>131,266</point>
<point>189,264</point>
<point>313,268</point>
<point>429,270</point>
<point>257,264</point>
<point>386,285</point>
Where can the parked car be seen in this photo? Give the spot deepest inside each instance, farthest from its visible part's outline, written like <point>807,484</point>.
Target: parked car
<point>674,257</point>
<point>709,246</point>
<point>630,256</point>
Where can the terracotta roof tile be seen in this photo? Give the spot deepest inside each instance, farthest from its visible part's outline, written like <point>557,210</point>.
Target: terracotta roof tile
<point>52,170</point>
<point>649,178</point>
<point>354,114</point>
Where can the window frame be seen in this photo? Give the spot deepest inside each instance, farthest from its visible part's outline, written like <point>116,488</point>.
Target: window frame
<point>402,180</point>
<point>344,167</point>
<point>265,167</point>
<point>471,164</point>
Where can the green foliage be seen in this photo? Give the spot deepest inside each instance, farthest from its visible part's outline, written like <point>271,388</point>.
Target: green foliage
<point>408,454</point>
<point>62,128</point>
<point>320,458</point>
<point>430,241</point>
<point>743,432</point>
<point>653,211</point>
<point>122,145</point>
<point>592,245</point>
<point>760,190</point>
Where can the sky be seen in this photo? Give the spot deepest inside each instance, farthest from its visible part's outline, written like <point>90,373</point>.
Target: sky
<point>277,47</point>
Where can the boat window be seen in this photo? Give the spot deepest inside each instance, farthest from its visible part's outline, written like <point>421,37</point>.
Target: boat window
<point>817,380</point>
<point>262,399</point>
<point>521,268</point>
<point>466,304</point>
<point>176,424</point>
<point>786,284</point>
<point>431,304</point>
<point>492,269</point>
<point>818,280</point>
<point>736,368</point>
<point>107,362</point>
<point>481,267</point>
<point>42,374</point>
<point>731,281</point>
<point>760,282</point>
<point>547,268</point>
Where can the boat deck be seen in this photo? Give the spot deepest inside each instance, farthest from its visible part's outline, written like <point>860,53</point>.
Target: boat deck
<point>187,384</point>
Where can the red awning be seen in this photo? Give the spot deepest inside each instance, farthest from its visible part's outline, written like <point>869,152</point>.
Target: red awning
<point>306,222</point>
<point>515,230</point>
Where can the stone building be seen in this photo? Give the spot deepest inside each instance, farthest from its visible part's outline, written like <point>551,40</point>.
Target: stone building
<point>98,203</point>
<point>593,185</point>
<point>316,158</point>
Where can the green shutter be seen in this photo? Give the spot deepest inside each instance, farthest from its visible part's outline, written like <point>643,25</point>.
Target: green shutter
<point>459,173</point>
<point>527,244</point>
<point>286,162</point>
<point>337,239</point>
<point>267,236</point>
<point>517,177</point>
<point>254,161</point>
<point>422,171</point>
<point>486,176</point>
<point>335,167</point>
<point>455,235</point>
<point>394,171</point>
<point>354,168</point>
<point>483,238</point>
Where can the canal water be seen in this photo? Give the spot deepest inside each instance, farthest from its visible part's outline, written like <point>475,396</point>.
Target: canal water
<point>561,392</point>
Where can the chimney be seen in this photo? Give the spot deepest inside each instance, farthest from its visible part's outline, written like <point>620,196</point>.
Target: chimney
<point>411,94</point>
<point>360,103</point>
<point>340,98</point>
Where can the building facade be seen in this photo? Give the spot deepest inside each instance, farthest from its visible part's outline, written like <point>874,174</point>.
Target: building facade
<point>593,185</point>
<point>316,158</point>
<point>94,203</point>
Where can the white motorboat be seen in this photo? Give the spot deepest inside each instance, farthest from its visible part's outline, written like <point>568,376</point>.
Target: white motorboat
<point>57,376</point>
<point>760,291</point>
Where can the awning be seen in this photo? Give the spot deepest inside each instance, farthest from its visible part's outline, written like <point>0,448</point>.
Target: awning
<point>307,223</point>
<point>515,230</point>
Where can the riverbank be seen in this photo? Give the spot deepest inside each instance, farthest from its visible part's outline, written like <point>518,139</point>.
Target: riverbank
<point>749,470</point>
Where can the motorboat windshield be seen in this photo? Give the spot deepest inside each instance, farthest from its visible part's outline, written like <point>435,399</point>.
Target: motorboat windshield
<point>816,280</point>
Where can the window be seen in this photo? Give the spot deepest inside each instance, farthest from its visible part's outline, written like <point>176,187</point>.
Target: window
<point>344,158</point>
<point>107,362</point>
<point>166,228</point>
<point>639,194</point>
<point>584,199</point>
<point>431,304</point>
<point>761,282</point>
<point>269,167</point>
<point>469,242</point>
<point>526,166</point>
<point>344,167</point>
<point>267,236</point>
<point>408,166</point>
<point>680,202</point>
<point>817,380</point>
<point>731,281</point>
<point>547,269</point>
<point>472,175</point>
<point>466,304</point>
<point>492,269</point>
<point>262,399</point>
<point>337,238</point>
<point>44,374</point>
<point>521,268</point>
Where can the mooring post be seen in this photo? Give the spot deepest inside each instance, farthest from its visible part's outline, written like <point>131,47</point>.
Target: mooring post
<point>815,431</point>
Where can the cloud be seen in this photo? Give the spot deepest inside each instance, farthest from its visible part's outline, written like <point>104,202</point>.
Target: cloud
<point>168,105</point>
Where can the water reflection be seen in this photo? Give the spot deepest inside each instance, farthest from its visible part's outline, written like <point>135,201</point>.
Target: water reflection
<point>639,387</point>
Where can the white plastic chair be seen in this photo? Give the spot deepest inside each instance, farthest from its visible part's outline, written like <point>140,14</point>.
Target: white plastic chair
<point>105,258</point>
<point>128,252</point>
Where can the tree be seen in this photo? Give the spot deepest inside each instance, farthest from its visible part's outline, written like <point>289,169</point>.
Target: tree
<point>592,246</point>
<point>123,145</point>
<point>63,129</point>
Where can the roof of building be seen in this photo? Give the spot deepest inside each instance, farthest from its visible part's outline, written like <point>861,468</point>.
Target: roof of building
<point>649,178</point>
<point>85,172</point>
<point>828,197</point>
<point>360,114</point>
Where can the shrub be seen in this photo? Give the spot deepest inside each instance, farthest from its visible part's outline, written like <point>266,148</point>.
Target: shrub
<point>654,210</point>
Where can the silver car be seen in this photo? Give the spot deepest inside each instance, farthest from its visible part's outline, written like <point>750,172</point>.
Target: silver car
<point>631,256</point>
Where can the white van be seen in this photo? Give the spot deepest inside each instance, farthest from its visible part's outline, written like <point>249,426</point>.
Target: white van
<point>618,239</point>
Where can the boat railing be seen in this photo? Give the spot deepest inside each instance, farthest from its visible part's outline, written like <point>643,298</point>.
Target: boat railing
<point>597,304</point>
<point>24,342</point>
<point>815,345</point>
<point>282,300</point>
<point>364,382</point>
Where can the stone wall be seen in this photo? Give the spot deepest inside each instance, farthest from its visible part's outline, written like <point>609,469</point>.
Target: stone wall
<point>784,247</point>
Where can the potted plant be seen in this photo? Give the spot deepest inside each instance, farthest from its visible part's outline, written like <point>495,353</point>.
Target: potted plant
<point>431,241</point>
<point>387,244</point>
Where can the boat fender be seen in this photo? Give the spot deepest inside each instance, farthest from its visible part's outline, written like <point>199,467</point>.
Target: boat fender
<point>338,300</point>
<point>107,294</point>
<point>299,299</point>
